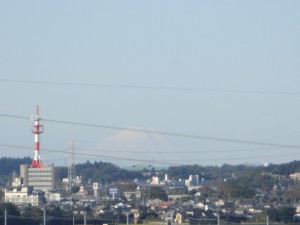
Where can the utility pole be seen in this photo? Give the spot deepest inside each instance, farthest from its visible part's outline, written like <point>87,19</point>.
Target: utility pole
<point>5,217</point>
<point>73,219</point>
<point>84,217</point>
<point>44,216</point>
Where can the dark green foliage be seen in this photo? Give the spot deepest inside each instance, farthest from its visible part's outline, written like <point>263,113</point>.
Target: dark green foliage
<point>229,171</point>
<point>158,193</point>
<point>19,221</point>
<point>1,194</point>
<point>209,172</point>
<point>10,208</point>
<point>9,165</point>
<point>293,193</point>
<point>197,213</point>
<point>284,169</point>
<point>242,191</point>
<point>245,186</point>
<point>61,172</point>
<point>184,171</point>
<point>148,215</point>
<point>235,218</point>
<point>104,172</point>
<point>32,215</point>
<point>192,192</point>
<point>75,189</point>
<point>32,212</point>
<point>282,214</point>
<point>56,212</point>
<point>69,221</point>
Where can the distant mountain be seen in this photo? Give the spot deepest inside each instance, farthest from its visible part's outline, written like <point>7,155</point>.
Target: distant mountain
<point>132,148</point>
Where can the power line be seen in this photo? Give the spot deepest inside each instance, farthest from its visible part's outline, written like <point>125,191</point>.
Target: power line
<point>230,158</point>
<point>93,155</point>
<point>64,218</point>
<point>192,136</point>
<point>187,89</point>
<point>178,152</point>
<point>140,151</point>
<point>171,162</point>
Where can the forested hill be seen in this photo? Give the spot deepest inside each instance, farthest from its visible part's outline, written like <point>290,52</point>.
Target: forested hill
<point>102,172</point>
<point>108,172</point>
<point>284,169</point>
<point>215,172</point>
<point>10,165</point>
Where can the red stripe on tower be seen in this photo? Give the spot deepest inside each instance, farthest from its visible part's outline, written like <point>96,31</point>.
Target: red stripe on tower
<point>37,146</point>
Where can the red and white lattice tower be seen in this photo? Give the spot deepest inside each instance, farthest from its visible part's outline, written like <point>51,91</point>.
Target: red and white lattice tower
<point>37,130</point>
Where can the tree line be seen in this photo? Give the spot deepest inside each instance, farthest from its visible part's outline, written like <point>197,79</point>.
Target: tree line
<point>105,172</point>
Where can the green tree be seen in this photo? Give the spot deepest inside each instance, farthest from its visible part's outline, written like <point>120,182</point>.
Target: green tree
<point>282,214</point>
<point>10,208</point>
<point>55,212</point>
<point>33,212</point>
<point>158,192</point>
<point>75,189</point>
<point>293,193</point>
<point>1,194</point>
<point>240,189</point>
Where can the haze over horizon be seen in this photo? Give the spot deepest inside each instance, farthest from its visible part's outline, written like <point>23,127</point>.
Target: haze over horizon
<point>210,82</point>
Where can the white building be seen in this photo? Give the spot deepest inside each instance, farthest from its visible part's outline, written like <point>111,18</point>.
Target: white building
<point>295,176</point>
<point>22,195</point>
<point>155,180</point>
<point>53,196</point>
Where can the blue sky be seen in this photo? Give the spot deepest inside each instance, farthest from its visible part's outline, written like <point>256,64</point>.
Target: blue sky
<point>242,57</point>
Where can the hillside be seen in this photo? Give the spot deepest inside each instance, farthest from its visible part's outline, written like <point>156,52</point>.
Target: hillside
<point>108,172</point>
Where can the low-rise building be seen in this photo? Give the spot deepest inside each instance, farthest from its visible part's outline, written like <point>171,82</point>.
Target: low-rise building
<point>23,196</point>
<point>295,176</point>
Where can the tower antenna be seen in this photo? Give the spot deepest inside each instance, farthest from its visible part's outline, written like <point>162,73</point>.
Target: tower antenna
<point>37,129</point>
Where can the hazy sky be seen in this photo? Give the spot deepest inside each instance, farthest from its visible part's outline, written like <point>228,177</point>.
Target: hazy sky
<point>220,69</point>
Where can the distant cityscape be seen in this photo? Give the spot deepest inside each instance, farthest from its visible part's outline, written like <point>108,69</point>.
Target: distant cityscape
<point>102,193</point>
<point>157,197</point>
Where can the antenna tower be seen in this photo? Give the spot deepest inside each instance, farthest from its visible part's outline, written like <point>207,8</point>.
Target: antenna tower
<point>37,129</point>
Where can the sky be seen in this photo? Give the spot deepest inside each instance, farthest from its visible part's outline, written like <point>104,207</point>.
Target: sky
<point>210,82</point>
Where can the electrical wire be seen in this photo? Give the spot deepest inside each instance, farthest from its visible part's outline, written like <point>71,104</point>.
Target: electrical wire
<point>230,158</point>
<point>151,87</point>
<point>177,152</point>
<point>92,155</point>
<point>171,162</point>
<point>55,217</point>
<point>192,136</point>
